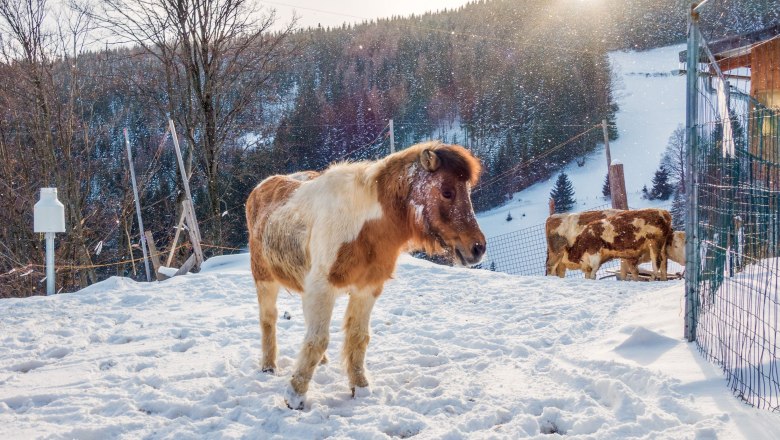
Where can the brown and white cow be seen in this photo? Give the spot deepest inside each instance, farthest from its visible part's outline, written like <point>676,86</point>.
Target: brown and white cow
<point>561,230</point>
<point>342,231</point>
<point>627,235</point>
<point>675,252</point>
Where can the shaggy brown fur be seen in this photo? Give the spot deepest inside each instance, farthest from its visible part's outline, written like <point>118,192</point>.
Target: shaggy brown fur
<point>344,230</point>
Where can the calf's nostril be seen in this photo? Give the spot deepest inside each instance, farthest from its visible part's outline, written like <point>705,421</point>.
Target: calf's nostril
<point>478,250</point>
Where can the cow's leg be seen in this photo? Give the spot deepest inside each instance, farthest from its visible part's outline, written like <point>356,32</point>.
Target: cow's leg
<point>267,291</point>
<point>318,300</point>
<point>629,266</point>
<point>663,254</point>
<point>554,265</point>
<point>357,335</point>
<point>623,276</point>
<point>655,259</point>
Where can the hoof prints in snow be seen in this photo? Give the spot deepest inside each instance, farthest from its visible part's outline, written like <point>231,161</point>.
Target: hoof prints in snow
<point>57,353</point>
<point>181,347</point>
<point>549,427</point>
<point>26,367</point>
<point>477,356</point>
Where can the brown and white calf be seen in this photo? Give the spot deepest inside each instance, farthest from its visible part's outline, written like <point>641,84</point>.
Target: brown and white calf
<point>675,252</point>
<point>561,230</point>
<point>628,235</point>
<point>342,231</point>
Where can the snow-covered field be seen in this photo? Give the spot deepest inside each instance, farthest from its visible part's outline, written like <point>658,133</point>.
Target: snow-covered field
<point>455,354</point>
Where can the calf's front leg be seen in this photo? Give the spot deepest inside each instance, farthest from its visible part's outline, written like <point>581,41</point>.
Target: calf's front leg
<point>357,335</point>
<point>318,301</point>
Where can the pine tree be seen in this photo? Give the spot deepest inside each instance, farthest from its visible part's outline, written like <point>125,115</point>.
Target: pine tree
<point>563,194</point>
<point>645,193</point>
<point>662,188</point>
<point>509,217</point>
<point>605,189</point>
<point>678,211</point>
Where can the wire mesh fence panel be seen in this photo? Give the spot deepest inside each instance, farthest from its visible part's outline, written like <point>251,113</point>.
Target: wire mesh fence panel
<point>524,252</point>
<point>734,259</point>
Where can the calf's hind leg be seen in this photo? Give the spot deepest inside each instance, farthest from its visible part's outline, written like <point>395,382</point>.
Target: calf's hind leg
<point>357,335</point>
<point>267,292</point>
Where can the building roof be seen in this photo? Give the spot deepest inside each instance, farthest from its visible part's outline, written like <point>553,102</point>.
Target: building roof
<point>736,49</point>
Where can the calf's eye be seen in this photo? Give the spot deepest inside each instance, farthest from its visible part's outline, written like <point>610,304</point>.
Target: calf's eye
<point>447,194</point>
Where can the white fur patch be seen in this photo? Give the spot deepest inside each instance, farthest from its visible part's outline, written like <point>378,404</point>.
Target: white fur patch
<point>335,206</point>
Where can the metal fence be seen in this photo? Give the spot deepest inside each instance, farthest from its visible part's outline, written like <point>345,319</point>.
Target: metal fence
<point>733,224</point>
<point>524,252</point>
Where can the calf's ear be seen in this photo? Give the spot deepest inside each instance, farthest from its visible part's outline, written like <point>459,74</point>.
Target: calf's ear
<point>430,160</point>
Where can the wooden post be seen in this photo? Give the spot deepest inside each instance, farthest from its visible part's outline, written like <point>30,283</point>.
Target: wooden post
<point>176,236</point>
<point>155,257</point>
<point>392,138</point>
<point>617,185</point>
<point>137,206</point>
<point>552,206</point>
<point>192,221</point>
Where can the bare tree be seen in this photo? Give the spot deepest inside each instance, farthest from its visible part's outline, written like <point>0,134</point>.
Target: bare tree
<point>674,158</point>
<point>218,58</point>
<point>44,136</point>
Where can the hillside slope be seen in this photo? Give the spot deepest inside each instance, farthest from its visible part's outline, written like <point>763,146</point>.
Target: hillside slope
<point>652,105</point>
<point>455,354</point>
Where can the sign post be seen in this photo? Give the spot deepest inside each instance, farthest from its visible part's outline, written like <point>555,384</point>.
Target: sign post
<point>49,218</point>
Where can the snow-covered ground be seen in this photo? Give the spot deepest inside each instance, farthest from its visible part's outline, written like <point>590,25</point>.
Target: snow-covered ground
<point>455,353</point>
<point>651,105</point>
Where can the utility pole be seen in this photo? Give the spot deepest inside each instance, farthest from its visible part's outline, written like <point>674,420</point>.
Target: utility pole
<point>137,207</point>
<point>392,138</point>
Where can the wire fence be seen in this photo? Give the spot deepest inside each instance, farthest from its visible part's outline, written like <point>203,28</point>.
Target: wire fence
<point>734,221</point>
<point>524,252</point>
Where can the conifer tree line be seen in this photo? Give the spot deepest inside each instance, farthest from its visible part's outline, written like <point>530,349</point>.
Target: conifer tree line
<point>251,96</point>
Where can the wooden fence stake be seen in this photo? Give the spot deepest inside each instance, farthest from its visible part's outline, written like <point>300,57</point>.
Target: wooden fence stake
<point>137,207</point>
<point>617,186</point>
<point>192,221</point>
<point>176,236</point>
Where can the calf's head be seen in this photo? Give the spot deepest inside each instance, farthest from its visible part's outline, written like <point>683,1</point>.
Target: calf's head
<point>440,200</point>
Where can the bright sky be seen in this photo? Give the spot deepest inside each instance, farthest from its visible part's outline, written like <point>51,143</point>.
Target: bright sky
<point>335,12</point>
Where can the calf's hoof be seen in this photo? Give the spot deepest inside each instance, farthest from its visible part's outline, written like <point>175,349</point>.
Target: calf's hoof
<point>324,360</point>
<point>270,369</point>
<point>294,400</point>
<point>359,392</point>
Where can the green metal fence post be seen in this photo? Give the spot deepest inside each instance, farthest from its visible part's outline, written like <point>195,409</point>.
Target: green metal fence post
<point>691,224</point>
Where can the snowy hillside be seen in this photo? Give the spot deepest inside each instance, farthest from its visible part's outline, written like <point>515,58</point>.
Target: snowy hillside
<point>652,105</point>
<point>456,353</point>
